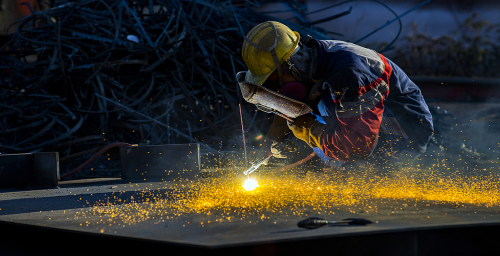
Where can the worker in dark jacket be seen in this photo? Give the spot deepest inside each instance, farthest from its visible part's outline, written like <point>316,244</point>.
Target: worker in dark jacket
<point>365,108</point>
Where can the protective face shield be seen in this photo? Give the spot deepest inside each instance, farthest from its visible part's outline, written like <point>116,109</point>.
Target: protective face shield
<point>272,102</point>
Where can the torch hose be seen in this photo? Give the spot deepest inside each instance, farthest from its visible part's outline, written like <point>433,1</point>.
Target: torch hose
<point>307,158</point>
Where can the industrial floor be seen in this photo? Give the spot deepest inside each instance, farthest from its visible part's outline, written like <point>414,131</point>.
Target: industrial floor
<point>109,215</point>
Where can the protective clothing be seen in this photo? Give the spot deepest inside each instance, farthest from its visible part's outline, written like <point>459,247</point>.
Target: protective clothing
<point>306,128</point>
<point>265,48</point>
<point>280,147</point>
<point>274,138</point>
<point>270,101</point>
<point>277,150</point>
<point>279,129</point>
<point>369,108</point>
<point>369,105</point>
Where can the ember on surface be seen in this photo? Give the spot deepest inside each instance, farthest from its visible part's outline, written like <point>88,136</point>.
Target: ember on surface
<point>224,198</point>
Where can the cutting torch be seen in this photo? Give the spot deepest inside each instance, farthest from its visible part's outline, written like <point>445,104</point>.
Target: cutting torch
<point>256,164</point>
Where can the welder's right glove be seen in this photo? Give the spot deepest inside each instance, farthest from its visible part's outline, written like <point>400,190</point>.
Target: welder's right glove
<point>279,148</point>
<point>279,129</point>
<point>274,137</point>
<point>308,129</point>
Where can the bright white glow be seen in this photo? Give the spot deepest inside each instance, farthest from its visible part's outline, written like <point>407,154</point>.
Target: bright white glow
<point>250,184</point>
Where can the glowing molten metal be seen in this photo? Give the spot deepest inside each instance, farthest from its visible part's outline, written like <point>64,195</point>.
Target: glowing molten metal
<point>250,184</point>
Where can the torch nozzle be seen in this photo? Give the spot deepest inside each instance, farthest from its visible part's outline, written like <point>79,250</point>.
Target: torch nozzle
<point>256,164</point>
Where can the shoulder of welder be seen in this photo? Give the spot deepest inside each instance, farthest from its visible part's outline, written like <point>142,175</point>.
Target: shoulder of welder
<point>351,71</point>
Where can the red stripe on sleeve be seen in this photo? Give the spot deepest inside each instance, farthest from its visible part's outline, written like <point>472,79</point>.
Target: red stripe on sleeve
<point>384,77</point>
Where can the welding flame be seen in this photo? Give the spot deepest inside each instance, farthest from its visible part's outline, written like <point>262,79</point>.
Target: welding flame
<point>250,184</point>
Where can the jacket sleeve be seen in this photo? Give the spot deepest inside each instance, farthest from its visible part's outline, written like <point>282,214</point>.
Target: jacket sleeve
<point>278,130</point>
<point>358,110</point>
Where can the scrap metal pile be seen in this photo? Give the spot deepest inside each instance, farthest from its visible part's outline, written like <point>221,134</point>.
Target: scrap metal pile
<point>87,73</point>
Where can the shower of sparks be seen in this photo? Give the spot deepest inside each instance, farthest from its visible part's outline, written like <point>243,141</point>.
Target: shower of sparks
<point>225,199</point>
<point>250,184</point>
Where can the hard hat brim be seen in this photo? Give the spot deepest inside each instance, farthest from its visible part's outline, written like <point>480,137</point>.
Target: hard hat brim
<point>255,79</point>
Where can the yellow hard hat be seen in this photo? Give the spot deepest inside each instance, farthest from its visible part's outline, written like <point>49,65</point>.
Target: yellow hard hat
<point>265,48</point>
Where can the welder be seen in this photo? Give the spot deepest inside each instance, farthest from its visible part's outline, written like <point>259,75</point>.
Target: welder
<point>365,109</point>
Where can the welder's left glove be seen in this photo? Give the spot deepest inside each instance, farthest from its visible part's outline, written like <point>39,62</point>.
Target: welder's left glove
<point>308,129</point>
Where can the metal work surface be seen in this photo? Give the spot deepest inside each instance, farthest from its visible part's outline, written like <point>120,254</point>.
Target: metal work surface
<point>215,213</point>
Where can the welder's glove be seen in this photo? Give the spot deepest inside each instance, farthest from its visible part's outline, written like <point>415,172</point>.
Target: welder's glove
<point>279,129</point>
<point>278,149</point>
<point>308,129</point>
